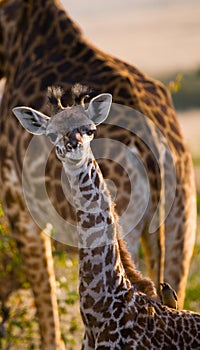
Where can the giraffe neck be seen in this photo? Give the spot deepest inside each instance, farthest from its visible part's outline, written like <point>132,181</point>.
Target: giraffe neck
<point>93,204</point>
<point>101,267</point>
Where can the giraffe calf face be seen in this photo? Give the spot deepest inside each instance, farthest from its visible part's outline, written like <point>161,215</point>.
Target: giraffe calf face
<point>74,145</point>
<point>71,130</point>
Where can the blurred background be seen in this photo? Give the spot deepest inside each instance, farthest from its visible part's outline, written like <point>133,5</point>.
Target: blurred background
<point>162,38</point>
<point>157,36</point>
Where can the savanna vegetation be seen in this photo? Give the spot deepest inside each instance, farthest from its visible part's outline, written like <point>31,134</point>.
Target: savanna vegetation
<point>185,88</point>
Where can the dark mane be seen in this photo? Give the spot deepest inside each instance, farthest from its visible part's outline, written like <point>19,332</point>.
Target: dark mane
<point>142,284</point>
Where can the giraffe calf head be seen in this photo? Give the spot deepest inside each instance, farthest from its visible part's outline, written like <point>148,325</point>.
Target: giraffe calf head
<point>71,129</point>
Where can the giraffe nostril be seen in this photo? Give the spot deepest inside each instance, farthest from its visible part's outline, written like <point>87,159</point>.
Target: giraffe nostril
<point>57,149</point>
<point>60,151</point>
<point>69,147</point>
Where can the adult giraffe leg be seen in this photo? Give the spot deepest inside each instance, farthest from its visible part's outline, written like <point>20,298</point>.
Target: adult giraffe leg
<point>39,270</point>
<point>153,236</point>
<point>35,250</point>
<point>180,231</point>
<point>154,247</point>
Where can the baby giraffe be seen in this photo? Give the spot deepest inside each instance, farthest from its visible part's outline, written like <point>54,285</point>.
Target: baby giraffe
<point>118,306</point>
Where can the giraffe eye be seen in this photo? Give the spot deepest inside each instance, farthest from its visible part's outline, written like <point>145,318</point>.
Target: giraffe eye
<point>90,132</point>
<point>52,137</point>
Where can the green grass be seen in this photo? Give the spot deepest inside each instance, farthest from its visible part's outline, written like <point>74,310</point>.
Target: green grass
<point>192,299</point>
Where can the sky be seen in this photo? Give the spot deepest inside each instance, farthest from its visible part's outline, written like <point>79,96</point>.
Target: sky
<point>155,35</point>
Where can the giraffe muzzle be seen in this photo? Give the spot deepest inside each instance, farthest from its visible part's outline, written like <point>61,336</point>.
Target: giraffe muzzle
<point>72,145</point>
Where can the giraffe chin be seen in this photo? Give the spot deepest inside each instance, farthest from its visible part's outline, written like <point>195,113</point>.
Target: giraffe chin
<point>73,157</point>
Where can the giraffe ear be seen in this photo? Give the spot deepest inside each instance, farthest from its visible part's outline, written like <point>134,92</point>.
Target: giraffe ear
<point>33,121</point>
<point>99,108</point>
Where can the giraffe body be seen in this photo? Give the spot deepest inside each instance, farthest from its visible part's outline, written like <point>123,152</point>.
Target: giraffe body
<point>115,314</point>
<point>48,48</point>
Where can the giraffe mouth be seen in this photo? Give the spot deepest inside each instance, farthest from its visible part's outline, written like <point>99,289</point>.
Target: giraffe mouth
<point>74,149</point>
<point>70,152</point>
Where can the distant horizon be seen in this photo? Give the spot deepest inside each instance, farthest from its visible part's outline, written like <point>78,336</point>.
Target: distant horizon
<point>157,37</point>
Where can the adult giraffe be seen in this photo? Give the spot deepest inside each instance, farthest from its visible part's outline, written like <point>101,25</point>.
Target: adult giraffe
<point>41,46</point>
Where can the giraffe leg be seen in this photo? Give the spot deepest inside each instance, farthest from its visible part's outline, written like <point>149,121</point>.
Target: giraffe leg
<point>35,250</point>
<point>88,342</point>
<point>180,238</point>
<point>153,236</point>
<point>153,246</point>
